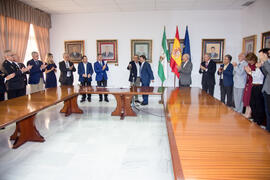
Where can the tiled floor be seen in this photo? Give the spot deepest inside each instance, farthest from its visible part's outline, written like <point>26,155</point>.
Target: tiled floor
<point>92,146</point>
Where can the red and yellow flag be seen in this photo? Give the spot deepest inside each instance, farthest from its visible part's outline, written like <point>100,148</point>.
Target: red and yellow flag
<point>176,56</point>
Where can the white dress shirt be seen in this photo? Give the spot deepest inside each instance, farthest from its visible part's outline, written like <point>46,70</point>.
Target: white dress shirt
<point>138,68</point>
<point>257,76</point>
<point>67,66</point>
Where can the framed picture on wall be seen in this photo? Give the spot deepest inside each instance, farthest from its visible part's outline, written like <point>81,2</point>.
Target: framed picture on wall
<point>214,47</point>
<point>142,47</point>
<point>109,50</point>
<point>266,39</point>
<point>170,45</point>
<point>249,44</point>
<point>75,49</point>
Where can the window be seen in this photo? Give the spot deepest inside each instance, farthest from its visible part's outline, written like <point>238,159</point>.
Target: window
<point>31,45</point>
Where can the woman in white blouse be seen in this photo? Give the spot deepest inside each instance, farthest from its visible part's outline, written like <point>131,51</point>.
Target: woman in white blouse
<point>256,98</point>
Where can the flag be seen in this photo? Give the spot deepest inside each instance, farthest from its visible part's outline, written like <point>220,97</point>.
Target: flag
<point>186,49</point>
<point>164,56</point>
<point>176,56</point>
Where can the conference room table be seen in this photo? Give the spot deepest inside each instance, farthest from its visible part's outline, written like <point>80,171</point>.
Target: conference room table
<point>209,140</point>
<point>123,96</point>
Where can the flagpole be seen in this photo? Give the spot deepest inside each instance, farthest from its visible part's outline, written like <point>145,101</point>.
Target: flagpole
<point>174,80</point>
<point>161,101</point>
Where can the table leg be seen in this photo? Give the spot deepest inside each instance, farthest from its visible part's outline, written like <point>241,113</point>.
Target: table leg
<point>127,106</point>
<point>119,107</point>
<point>27,132</point>
<point>71,106</point>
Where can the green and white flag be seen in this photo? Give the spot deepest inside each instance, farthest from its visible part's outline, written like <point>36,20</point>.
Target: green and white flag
<point>163,59</point>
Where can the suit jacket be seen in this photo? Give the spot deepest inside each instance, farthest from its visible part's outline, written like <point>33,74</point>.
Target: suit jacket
<point>240,75</point>
<point>63,71</point>
<point>2,82</point>
<point>35,73</point>
<point>227,75</point>
<point>185,73</point>
<point>146,74</point>
<point>101,74</point>
<point>208,77</point>
<point>81,71</point>
<point>133,71</point>
<point>266,72</point>
<point>21,65</point>
<point>17,82</point>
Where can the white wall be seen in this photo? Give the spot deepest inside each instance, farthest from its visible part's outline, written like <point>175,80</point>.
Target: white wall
<point>255,20</point>
<point>146,25</point>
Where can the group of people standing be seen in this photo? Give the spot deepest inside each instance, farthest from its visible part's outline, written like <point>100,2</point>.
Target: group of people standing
<point>245,85</point>
<point>13,74</point>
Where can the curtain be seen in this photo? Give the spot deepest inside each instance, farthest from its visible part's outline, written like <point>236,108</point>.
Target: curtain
<point>23,12</point>
<point>43,40</point>
<point>2,39</point>
<point>17,34</point>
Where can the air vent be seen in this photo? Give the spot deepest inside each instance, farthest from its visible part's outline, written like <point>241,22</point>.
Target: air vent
<point>248,3</point>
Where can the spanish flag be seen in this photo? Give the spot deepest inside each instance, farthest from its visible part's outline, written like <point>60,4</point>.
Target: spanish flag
<point>176,56</point>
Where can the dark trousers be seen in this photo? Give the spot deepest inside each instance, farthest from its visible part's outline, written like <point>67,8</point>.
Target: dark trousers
<point>209,88</point>
<point>86,83</point>
<point>102,83</point>
<point>226,91</point>
<point>257,104</point>
<point>15,93</point>
<point>145,97</point>
<point>68,82</point>
<point>2,96</point>
<point>267,110</point>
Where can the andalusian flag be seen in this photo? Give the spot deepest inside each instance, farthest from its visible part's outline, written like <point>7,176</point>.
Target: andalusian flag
<point>164,56</point>
<point>176,56</point>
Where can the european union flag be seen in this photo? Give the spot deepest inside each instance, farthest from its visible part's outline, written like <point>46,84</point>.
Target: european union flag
<point>186,49</point>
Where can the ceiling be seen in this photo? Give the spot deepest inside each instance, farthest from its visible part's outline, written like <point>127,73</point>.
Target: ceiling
<point>93,6</point>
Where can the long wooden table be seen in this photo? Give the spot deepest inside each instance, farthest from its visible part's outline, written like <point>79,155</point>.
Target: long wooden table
<point>123,96</point>
<point>22,111</point>
<point>208,140</point>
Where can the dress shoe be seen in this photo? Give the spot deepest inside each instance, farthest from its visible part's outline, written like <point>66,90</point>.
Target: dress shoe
<point>137,101</point>
<point>82,100</point>
<point>3,128</point>
<point>143,103</point>
<point>107,100</point>
<point>100,100</point>
<point>89,99</point>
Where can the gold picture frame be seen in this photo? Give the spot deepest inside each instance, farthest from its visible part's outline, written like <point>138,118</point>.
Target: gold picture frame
<point>75,49</point>
<point>142,47</point>
<point>265,40</point>
<point>109,50</point>
<point>215,47</point>
<point>249,44</point>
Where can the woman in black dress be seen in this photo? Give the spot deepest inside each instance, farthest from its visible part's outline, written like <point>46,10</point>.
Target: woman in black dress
<point>50,72</point>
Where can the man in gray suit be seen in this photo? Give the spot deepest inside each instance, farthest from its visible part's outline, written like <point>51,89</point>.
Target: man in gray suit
<point>239,79</point>
<point>265,67</point>
<point>185,72</point>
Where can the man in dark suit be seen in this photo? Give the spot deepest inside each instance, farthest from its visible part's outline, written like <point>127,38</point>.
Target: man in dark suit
<point>85,72</point>
<point>226,80</point>
<point>213,53</point>
<point>146,75</point>
<point>21,66</point>
<point>101,76</point>
<point>66,68</point>
<point>36,79</point>
<point>3,79</point>
<point>134,76</point>
<point>15,86</point>
<point>208,69</point>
